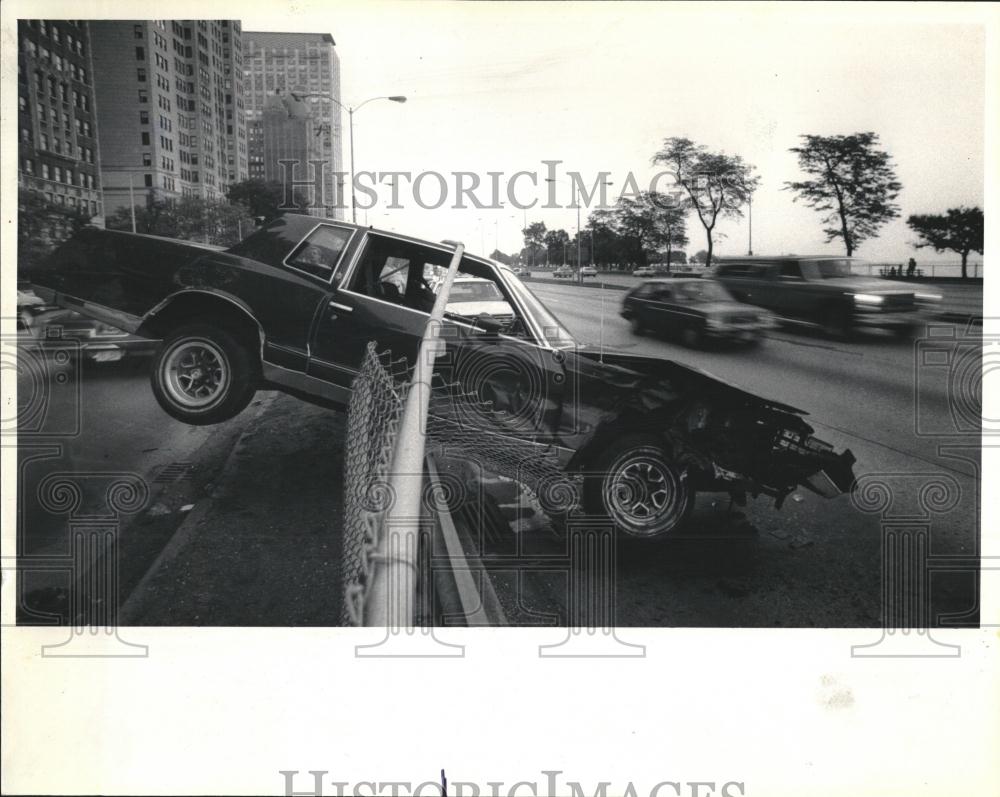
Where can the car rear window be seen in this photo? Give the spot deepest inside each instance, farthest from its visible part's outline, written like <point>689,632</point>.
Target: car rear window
<point>321,251</point>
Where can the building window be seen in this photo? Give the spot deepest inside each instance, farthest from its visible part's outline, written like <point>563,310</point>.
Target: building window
<point>144,117</point>
<point>141,75</point>
<point>138,32</point>
<point>140,53</point>
<point>45,171</point>
<point>29,165</point>
<point>143,95</point>
<point>147,180</point>
<point>22,104</point>
<point>145,139</point>
<point>147,159</point>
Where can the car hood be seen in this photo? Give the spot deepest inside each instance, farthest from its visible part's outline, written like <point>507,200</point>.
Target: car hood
<point>871,285</point>
<point>621,367</point>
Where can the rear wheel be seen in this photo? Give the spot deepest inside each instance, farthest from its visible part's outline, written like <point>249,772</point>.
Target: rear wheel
<point>634,483</point>
<point>837,323</point>
<point>204,374</point>
<point>693,336</point>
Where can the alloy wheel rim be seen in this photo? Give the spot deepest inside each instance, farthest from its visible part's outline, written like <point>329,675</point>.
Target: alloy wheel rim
<point>642,492</point>
<point>195,374</point>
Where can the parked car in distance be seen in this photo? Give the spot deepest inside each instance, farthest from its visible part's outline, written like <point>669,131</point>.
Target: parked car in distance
<point>644,271</point>
<point>588,271</point>
<point>824,291</point>
<point>296,305</point>
<point>694,310</point>
<point>563,272</point>
<point>522,272</point>
<point>473,297</point>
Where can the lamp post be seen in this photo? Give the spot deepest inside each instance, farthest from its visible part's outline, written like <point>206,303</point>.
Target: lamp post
<point>750,241</point>
<point>579,277</point>
<point>131,187</point>
<point>350,115</point>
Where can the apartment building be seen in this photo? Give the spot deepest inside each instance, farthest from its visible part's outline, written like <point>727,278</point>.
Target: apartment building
<point>58,153</point>
<point>170,108</point>
<point>276,64</point>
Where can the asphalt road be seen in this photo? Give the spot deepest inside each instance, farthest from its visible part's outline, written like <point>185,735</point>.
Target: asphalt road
<point>95,455</point>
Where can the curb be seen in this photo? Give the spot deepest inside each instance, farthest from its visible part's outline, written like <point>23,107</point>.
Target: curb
<point>130,609</point>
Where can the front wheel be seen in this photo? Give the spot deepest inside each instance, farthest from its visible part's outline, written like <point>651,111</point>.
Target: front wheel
<point>637,486</point>
<point>203,375</point>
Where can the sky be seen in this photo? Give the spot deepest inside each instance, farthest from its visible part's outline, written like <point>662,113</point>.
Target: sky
<point>504,87</point>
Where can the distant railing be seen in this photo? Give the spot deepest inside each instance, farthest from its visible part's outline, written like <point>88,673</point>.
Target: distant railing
<point>922,271</point>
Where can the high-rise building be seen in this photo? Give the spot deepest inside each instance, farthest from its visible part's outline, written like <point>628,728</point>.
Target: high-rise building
<point>57,136</point>
<point>276,64</point>
<point>169,108</point>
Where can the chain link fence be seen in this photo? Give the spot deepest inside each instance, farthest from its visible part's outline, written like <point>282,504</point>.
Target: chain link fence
<point>460,425</point>
<point>379,393</point>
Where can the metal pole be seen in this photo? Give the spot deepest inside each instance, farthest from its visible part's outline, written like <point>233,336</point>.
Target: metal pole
<point>391,597</point>
<point>131,198</point>
<point>750,246</point>
<point>354,204</point>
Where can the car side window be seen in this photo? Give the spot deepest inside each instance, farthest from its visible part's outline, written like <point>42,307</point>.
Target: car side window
<point>790,271</point>
<point>663,294</point>
<point>320,252</point>
<point>399,272</point>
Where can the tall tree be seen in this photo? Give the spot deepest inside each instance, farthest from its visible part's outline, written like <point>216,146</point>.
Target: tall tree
<point>534,239</point>
<point>853,183</point>
<point>42,225</point>
<point>959,230</point>
<point>715,185</point>
<point>556,244</point>
<point>264,199</point>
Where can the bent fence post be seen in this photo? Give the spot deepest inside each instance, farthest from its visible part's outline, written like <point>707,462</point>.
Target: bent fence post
<point>391,599</point>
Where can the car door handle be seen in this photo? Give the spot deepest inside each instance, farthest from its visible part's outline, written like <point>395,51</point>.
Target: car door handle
<point>342,307</point>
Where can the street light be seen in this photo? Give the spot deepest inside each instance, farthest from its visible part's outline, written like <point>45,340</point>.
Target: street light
<point>350,114</point>
<point>579,277</point>
<point>131,187</point>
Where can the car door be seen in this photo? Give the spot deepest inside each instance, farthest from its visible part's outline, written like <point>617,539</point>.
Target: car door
<point>663,309</point>
<point>386,298</point>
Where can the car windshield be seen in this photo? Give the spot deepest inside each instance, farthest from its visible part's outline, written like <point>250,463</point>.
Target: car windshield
<point>553,332</point>
<point>474,291</point>
<point>826,269</point>
<point>706,291</point>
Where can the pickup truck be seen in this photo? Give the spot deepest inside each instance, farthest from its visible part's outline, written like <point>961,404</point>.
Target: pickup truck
<point>823,290</point>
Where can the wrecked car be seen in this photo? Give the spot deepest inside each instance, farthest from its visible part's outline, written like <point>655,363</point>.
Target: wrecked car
<point>294,305</point>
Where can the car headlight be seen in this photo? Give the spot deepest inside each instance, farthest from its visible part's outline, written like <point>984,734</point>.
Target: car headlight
<point>928,297</point>
<point>868,298</point>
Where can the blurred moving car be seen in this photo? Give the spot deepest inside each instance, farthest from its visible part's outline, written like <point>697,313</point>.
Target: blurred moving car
<point>824,291</point>
<point>563,272</point>
<point>645,271</point>
<point>47,325</point>
<point>694,310</point>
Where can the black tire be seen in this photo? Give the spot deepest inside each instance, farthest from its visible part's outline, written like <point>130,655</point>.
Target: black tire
<point>837,323</point>
<point>204,374</point>
<point>635,484</point>
<point>693,336</point>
